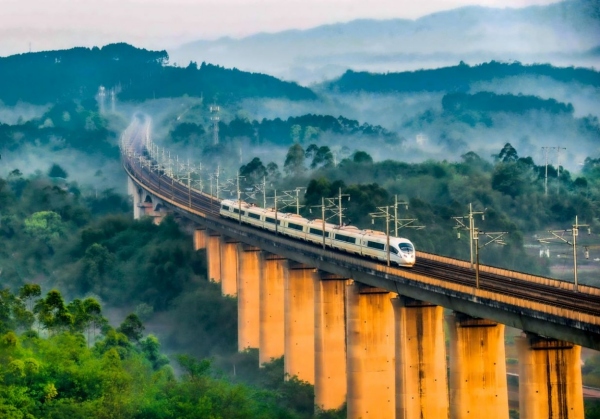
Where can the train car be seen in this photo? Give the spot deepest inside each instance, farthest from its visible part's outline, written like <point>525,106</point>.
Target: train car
<point>315,232</point>
<point>366,243</point>
<point>294,225</point>
<point>347,238</point>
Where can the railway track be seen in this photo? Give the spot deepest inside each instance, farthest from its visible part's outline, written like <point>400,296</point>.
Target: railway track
<point>190,198</point>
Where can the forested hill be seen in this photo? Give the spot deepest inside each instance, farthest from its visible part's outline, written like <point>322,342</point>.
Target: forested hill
<point>136,74</point>
<point>457,78</point>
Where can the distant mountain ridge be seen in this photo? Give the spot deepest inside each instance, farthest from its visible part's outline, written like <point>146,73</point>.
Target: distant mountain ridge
<point>563,31</point>
<point>456,78</point>
<point>134,74</point>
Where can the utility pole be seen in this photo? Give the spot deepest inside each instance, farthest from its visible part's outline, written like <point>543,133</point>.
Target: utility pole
<point>403,222</point>
<point>494,237</point>
<point>546,150</point>
<point>239,197</point>
<point>384,212</point>
<point>396,203</point>
<point>575,232</point>
<point>289,199</point>
<point>323,207</point>
<point>471,228</point>
<point>558,168</point>
<point>214,112</point>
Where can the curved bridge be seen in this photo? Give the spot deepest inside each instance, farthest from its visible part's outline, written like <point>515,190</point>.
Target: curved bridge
<point>554,317</point>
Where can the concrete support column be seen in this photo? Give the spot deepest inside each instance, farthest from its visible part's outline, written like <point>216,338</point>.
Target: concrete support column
<point>271,334</point>
<point>550,383</point>
<point>213,256</point>
<point>478,387</point>
<point>299,320</point>
<point>421,375</point>
<point>370,347</point>
<point>248,296</point>
<point>200,238</point>
<point>330,341</point>
<point>132,189</point>
<point>229,266</point>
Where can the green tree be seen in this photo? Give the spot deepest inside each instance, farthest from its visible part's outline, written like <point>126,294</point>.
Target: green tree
<point>362,157</point>
<point>57,171</point>
<point>253,173</point>
<point>323,158</point>
<point>46,226</point>
<point>132,327</point>
<point>96,264</point>
<point>28,292</point>
<point>509,179</point>
<point>508,154</point>
<point>52,313</point>
<point>294,161</point>
<point>295,131</point>
<point>151,349</point>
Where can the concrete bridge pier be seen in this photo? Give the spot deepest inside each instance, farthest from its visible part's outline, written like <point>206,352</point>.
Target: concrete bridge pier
<point>248,296</point>
<point>421,375</point>
<point>478,386</point>
<point>213,256</point>
<point>550,384</point>
<point>134,190</point>
<point>200,238</point>
<point>271,333</point>
<point>229,266</point>
<point>330,341</point>
<point>299,320</point>
<point>370,359</point>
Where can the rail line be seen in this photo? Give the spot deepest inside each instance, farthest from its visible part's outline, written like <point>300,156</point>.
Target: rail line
<point>192,201</point>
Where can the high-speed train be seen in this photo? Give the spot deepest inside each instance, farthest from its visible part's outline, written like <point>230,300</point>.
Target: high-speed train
<point>367,243</point>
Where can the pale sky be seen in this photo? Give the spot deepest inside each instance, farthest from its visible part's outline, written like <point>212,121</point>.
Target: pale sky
<point>154,24</point>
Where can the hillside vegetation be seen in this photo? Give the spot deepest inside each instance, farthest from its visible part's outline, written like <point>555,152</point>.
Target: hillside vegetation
<point>134,74</point>
<point>457,78</point>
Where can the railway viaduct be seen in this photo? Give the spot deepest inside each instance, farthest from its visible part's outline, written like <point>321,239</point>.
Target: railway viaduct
<point>374,337</point>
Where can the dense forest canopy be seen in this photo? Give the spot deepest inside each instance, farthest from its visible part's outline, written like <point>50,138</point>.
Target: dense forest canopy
<point>301,129</point>
<point>73,262</point>
<point>457,78</point>
<point>134,74</point>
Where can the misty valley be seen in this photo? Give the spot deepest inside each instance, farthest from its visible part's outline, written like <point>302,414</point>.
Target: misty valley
<point>103,315</point>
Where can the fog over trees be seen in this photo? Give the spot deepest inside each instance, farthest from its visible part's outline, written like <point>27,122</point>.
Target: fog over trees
<point>104,315</point>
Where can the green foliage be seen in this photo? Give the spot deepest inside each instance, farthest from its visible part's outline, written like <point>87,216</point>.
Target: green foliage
<point>253,173</point>
<point>67,124</point>
<point>294,161</point>
<point>132,327</point>
<point>45,226</point>
<point>512,190</point>
<point>305,129</point>
<point>491,102</point>
<point>456,78</point>
<point>57,171</point>
<point>48,76</point>
<point>592,409</point>
<point>362,157</point>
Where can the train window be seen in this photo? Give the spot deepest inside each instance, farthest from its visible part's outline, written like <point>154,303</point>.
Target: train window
<point>375,245</point>
<point>270,220</point>
<point>346,239</point>
<point>318,232</point>
<point>393,250</point>
<point>226,208</point>
<point>237,211</point>
<point>295,226</point>
<point>406,247</point>
<point>253,215</point>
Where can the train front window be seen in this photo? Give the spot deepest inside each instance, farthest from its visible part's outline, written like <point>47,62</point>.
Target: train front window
<point>393,250</point>
<point>406,247</point>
